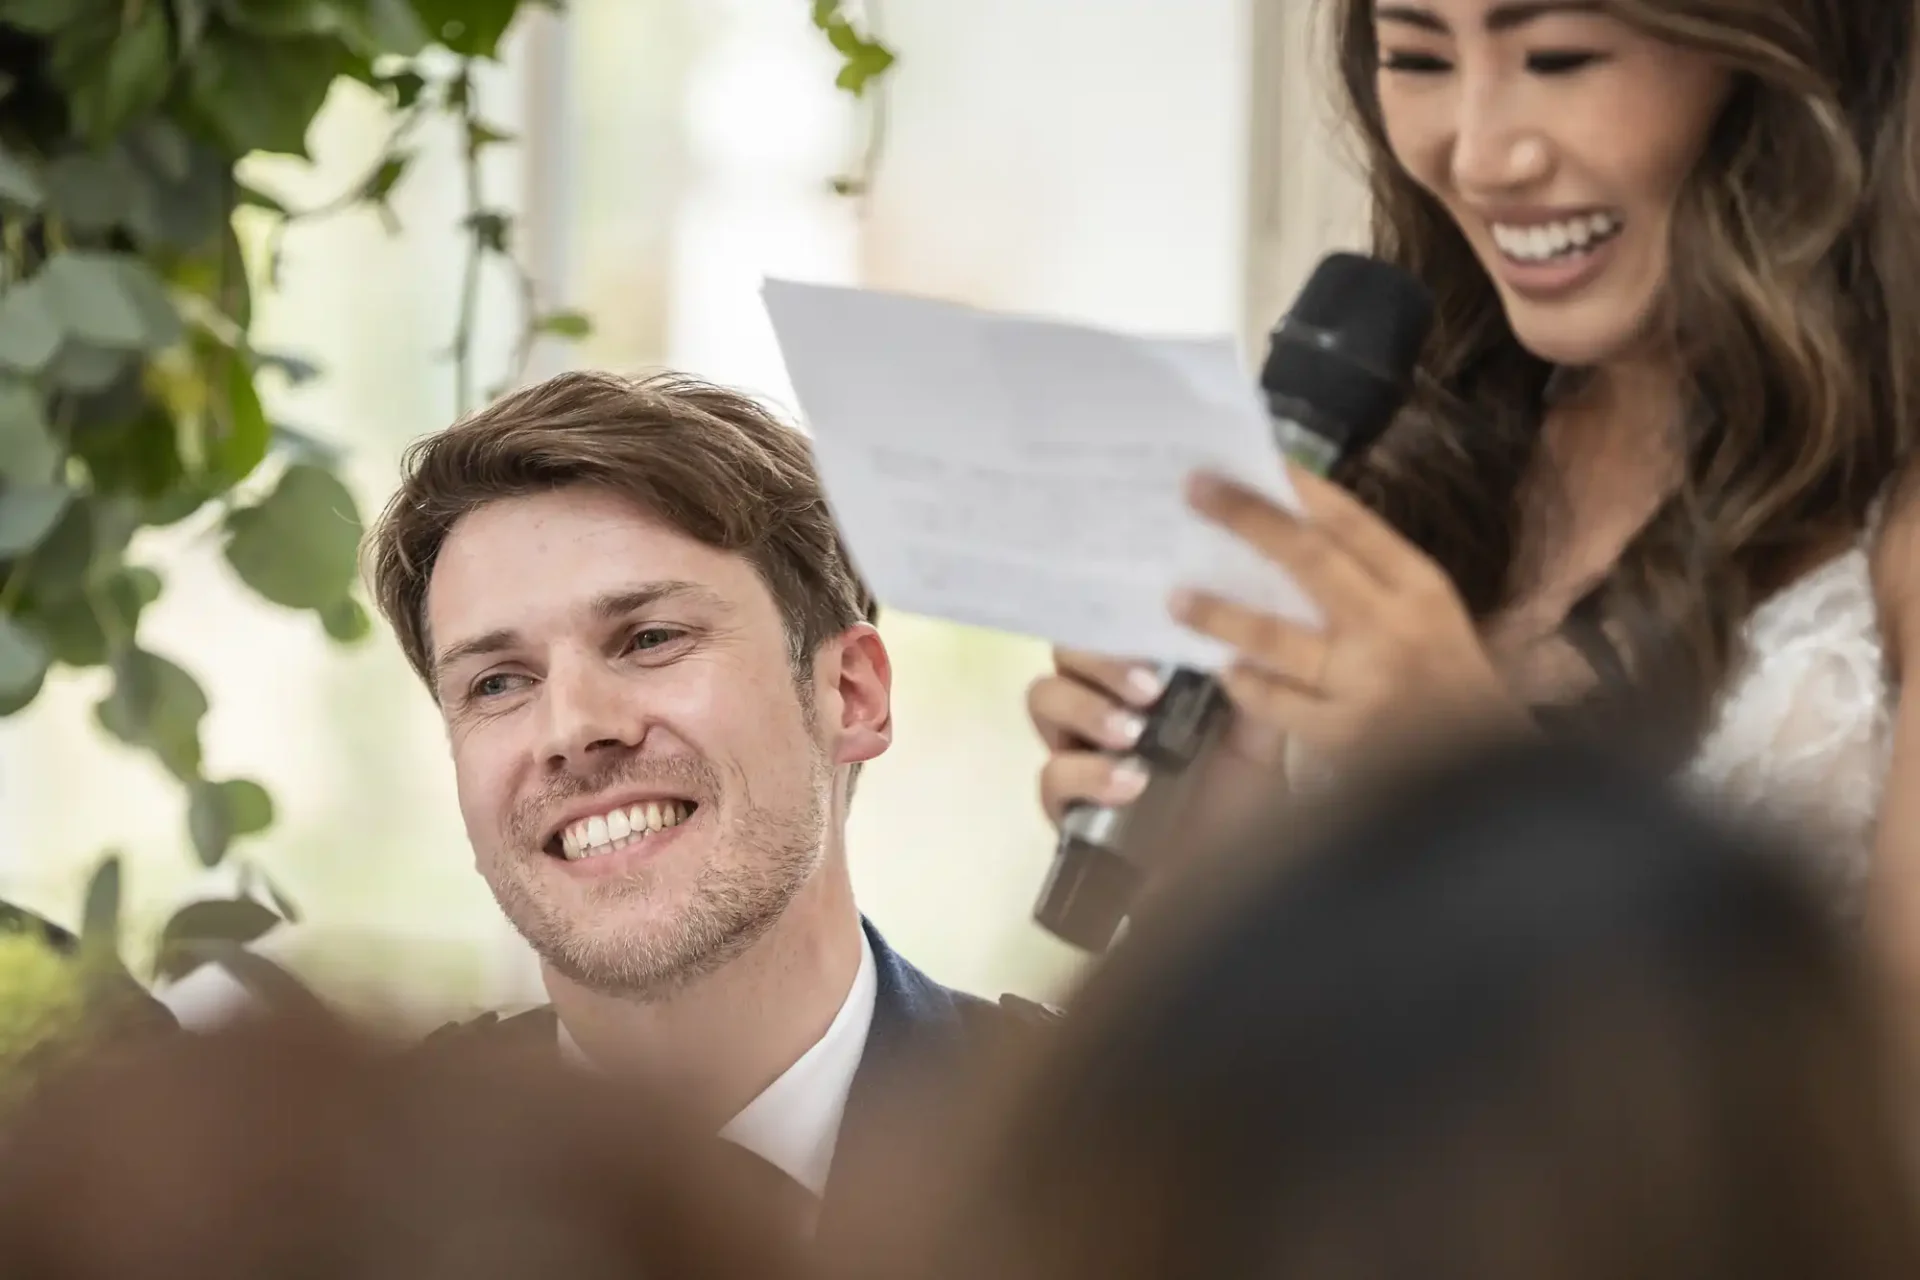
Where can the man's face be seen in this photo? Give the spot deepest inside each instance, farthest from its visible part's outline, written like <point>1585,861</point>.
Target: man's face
<point>645,783</point>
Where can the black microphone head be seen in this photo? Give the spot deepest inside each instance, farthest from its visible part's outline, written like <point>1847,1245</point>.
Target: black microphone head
<point>1379,314</point>
<point>1348,348</point>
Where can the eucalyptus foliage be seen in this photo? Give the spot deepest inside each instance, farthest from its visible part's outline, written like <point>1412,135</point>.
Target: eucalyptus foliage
<point>130,391</point>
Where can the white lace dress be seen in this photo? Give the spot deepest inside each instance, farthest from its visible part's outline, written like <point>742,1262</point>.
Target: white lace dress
<point>1803,733</point>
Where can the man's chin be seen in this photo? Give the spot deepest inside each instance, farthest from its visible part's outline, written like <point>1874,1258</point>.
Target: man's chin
<point>637,950</point>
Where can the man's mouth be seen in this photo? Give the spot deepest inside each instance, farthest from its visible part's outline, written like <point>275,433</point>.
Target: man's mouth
<point>619,828</point>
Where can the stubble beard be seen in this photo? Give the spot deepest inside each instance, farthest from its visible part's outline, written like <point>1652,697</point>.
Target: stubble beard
<point>758,866</point>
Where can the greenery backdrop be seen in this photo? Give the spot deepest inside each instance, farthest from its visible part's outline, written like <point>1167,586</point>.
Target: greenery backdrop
<point>130,393</point>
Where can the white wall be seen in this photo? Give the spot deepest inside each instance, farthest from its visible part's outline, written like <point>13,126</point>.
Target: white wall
<point>1304,194</point>
<point>1084,159</point>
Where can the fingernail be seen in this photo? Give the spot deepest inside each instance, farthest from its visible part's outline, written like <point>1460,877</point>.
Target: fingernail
<point>1123,728</point>
<point>1144,684</point>
<point>1128,780</point>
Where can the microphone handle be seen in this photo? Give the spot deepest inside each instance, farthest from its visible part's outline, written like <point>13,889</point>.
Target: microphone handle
<point>1104,853</point>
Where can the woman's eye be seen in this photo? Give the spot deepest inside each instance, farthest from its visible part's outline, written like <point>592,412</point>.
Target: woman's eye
<point>1559,62</point>
<point>1414,63</point>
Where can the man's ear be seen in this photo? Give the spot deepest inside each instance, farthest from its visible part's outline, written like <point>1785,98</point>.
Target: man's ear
<point>854,682</point>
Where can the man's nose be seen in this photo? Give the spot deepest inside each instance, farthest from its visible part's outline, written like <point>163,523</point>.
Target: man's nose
<point>590,711</point>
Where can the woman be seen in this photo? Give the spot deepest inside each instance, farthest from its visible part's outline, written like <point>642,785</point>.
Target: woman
<point>1525,1019</point>
<point>1650,469</point>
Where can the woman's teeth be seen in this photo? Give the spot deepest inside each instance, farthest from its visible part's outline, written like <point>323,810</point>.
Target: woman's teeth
<point>618,828</point>
<point>1548,241</point>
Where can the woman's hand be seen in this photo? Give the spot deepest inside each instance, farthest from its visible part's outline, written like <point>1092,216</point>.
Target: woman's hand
<point>1088,713</point>
<point>1398,652</point>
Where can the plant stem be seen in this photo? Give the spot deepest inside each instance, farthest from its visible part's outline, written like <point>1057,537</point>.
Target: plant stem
<point>476,249</point>
<point>347,199</point>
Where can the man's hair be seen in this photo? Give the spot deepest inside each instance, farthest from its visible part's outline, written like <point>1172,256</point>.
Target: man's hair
<point>711,463</point>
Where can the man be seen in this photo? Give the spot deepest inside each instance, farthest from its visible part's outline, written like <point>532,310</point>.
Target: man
<point>659,679</point>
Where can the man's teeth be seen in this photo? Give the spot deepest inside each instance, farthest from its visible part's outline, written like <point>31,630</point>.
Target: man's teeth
<point>619,828</point>
<point>1555,239</point>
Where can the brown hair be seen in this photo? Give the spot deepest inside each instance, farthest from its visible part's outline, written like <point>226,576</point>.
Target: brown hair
<point>300,1149</point>
<point>710,462</point>
<point>1794,302</point>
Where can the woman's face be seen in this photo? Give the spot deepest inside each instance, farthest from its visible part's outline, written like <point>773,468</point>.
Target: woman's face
<point>1558,137</point>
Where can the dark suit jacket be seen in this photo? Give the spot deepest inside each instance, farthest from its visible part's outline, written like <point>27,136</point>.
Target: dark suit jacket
<point>917,1023</point>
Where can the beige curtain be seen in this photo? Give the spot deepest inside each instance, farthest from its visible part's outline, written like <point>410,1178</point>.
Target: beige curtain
<point>1304,196</point>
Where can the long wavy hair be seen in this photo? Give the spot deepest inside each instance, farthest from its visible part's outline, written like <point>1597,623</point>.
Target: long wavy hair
<point>1794,304</point>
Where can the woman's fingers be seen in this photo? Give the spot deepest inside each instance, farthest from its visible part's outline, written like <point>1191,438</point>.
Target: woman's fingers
<point>1070,777</point>
<point>1070,714</point>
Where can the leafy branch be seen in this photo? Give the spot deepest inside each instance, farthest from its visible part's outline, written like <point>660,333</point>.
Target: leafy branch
<point>863,61</point>
<point>130,390</point>
<point>130,387</point>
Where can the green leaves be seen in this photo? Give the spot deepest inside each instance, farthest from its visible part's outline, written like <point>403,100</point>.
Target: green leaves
<point>28,453</point>
<point>218,813</point>
<point>387,26</point>
<point>203,927</point>
<point>345,621</point>
<point>490,229</point>
<point>30,332</point>
<point>44,17</point>
<point>18,185</point>
<point>300,546</point>
<point>83,628</point>
<point>93,191</point>
<point>23,661</point>
<point>262,95</point>
<point>115,61</point>
<point>132,78</point>
<point>863,59</point>
<point>564,324</point>
<point>129,392</point>
<point>242,432</point>
<point>471,28</point>
<point>167,189</point>
<point>158,706</point>
<point>84,298</point>
<point>27,514</point>
<point>100,917</point>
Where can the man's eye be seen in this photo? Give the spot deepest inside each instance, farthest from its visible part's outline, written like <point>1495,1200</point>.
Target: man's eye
<point>492,686</point>
<point>654,637</point>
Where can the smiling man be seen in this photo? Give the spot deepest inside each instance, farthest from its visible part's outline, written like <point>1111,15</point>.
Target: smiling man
<point>659,679</point>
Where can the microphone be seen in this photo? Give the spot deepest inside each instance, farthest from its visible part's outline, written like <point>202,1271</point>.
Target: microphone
<point>1339,366</point>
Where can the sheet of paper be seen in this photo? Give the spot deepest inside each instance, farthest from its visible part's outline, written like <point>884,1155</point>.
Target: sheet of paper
<point>1027,475</point>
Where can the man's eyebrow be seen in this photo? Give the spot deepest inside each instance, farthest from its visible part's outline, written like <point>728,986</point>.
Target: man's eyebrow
<point>607,606</point>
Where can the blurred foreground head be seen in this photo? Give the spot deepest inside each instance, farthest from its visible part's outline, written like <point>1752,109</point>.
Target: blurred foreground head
<point>1520,1017</point>
<point>298,1150</point>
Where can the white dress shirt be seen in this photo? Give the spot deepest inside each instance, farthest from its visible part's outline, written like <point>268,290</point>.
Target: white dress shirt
<point>794,1123</point>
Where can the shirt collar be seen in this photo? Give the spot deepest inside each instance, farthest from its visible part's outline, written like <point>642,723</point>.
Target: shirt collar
<point>794,1123</point>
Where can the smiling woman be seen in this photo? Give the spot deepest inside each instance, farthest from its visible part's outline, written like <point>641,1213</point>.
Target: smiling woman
<point>1651,471</point>
<point>1572,223</point>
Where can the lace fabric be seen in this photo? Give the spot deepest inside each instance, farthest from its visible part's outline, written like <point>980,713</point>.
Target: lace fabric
<point>1801,736</point>
<point>1803,733</point>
